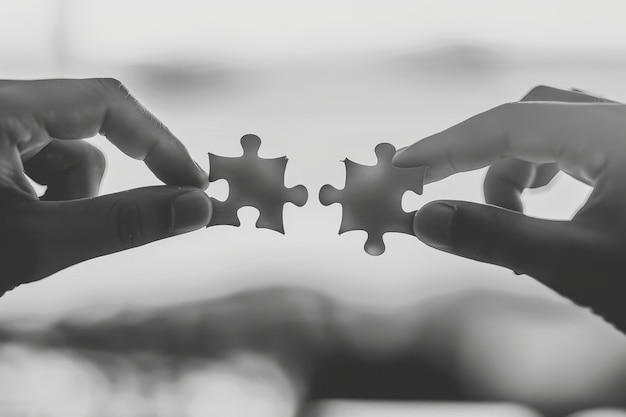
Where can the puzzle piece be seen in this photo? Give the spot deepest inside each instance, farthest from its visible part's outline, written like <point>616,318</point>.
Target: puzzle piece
<point>253,181</point>
<point>372,198</point>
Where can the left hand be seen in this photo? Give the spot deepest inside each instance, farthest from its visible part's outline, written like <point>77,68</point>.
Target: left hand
<point>41,124</point>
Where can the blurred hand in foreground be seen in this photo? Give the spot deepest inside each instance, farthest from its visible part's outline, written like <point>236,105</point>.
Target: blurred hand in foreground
<point>525,144</point>
<point>41,124</point>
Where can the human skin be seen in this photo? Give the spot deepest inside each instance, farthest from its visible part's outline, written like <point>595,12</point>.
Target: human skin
<point>525,144</point>
<point>42,123</point>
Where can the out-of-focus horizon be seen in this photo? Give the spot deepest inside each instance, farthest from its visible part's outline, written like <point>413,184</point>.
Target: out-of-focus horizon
<point>68,32</point>
<point>317,81</point>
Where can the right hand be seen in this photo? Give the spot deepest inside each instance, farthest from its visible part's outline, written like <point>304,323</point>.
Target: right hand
<point>525,144</point>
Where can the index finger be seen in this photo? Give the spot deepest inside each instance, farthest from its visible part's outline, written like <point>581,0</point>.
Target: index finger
<point>475,143</point>
<point>74,109</point>
<point>531,131</point>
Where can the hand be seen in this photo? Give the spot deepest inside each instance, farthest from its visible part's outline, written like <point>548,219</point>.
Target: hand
<point>526,144</point>
<point>41,123</point>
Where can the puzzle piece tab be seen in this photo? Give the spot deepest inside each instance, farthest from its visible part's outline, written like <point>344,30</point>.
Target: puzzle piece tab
<point>372,198</point>
<point>253,181</point>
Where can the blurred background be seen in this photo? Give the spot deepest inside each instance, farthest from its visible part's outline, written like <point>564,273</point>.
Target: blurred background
<point>244,321</point>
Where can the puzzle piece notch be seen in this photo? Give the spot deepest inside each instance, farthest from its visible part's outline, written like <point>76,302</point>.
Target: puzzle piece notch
<point>372,198</point>
<point>256,182</point>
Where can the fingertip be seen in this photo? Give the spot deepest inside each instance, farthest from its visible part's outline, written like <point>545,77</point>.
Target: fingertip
<point>202,180</point>
<point>540,93</point>
<point>173,165</point>
<point>433,224</point>
<point>404,157</point>
<point>429,151</point>
<point>191,210</point>
<point>203,177</point>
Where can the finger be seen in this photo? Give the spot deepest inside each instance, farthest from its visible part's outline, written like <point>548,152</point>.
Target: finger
<point>60,234</point>
<point>544,174</point>
<point>13,183</point>
<point>504,134</point>
<point>535,132</point>
<point>506,180</point>
<point>70,169</point>
<point>73,109</point>
<point>502,237</point>
<point>475,143</point>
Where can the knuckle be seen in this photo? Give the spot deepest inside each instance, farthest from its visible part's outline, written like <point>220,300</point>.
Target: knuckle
<point>96,160</point>
<point>126,220</point>
<point>14,131</point>
<point>22,255</point>
<point>507,116</point>
<point>491,228</point>
<point>77,156</point>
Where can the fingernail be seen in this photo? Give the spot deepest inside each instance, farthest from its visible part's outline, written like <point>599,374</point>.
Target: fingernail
<point>433,225</point>
<point>190,211</point>
<point>593,96</point>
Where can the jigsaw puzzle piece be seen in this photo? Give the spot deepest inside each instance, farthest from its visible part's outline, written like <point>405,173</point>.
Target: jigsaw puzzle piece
<point>223,214</point>
<point>412,179</point>
<point>250,145</point>
<point>271,216</point>
<point>372,197</point>
<point>272,219</point>
<point>384,153</point>
<point>329,195</point>
<point>396,221</point>
<point>297,195</point>
<point>253,182</point>
<point>374,245</point>
<point>219,166</point>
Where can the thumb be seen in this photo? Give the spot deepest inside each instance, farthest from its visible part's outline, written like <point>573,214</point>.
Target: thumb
<point>60,234</point>
<point>498,236</point>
